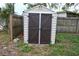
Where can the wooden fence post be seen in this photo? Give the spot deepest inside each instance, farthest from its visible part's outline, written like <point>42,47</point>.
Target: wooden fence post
<point>76,25</point>
<point>10,27</point>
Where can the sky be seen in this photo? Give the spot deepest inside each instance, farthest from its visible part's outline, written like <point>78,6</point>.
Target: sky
<point>19,8</point>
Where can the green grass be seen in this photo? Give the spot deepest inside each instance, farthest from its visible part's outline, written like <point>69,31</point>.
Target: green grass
<point>23,47</point>
<point>4,37</point>
<point>66,44</point>
<point>66,36</point>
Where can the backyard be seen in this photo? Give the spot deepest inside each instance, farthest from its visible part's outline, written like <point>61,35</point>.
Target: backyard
<point>66,44</point>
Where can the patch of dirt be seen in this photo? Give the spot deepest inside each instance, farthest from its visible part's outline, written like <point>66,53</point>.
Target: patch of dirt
<point>12,50</point>
<point>39,50</point>
<point>8,48</point>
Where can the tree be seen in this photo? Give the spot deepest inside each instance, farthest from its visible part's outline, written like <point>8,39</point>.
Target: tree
<point>53,5</point>
<point>30,5</point>
<point>76,5</point>
<point>50,5</point>
<point>0,10</point>
<point>6,11</point>
<point>67,6</point>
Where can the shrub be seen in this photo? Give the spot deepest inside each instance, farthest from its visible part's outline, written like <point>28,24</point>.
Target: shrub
<point>25,48</point>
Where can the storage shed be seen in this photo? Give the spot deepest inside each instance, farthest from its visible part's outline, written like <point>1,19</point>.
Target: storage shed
<point>39,25</point>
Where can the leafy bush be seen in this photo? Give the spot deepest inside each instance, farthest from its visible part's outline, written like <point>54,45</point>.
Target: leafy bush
<point>25,48</point>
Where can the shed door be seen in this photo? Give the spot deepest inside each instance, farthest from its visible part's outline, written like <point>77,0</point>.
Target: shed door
<point>45,28</point>
<point>33,27</point>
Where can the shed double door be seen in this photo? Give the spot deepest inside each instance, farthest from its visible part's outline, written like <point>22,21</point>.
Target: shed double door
<point>39,28</point>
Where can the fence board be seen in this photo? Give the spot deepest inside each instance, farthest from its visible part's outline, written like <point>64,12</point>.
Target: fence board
<point>16,25</point>
<point>68,24</point>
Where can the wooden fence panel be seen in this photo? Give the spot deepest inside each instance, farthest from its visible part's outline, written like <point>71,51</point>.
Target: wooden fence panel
<point>69,24</point>
<point>15,25</point>
<point>78,26</point>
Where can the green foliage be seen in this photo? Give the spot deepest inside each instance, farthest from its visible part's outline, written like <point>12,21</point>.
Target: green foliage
<point>65,49</point>
<point>50,5</point>
<point>54,5</point>
<point>66,36</point>
<point>67,6</point>
<point>24,47</point>
<point>57,50</point>
<point>6,11</point>
<point>66,44</point>
<point>59,6</point>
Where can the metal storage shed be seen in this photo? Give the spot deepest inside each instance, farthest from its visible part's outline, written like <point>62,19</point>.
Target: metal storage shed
<point>39,25</point>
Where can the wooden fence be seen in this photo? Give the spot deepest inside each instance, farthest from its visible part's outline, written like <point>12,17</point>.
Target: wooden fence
<point>68,24</point>
<point>15,25</point>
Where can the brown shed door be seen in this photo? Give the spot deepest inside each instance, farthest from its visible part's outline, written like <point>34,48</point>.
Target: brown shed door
<point>33,27</point>
<point>45,28</point>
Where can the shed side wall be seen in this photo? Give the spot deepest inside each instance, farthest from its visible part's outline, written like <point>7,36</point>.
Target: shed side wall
<point>53,28</point>
<point>25,27</point>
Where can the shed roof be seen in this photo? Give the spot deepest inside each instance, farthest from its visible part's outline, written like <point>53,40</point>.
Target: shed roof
<point>39,8</point>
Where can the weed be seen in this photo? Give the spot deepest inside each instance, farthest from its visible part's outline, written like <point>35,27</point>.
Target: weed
<point>25,47</point>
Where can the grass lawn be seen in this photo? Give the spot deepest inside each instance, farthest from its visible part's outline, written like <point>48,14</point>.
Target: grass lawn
<point>66,44</point>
